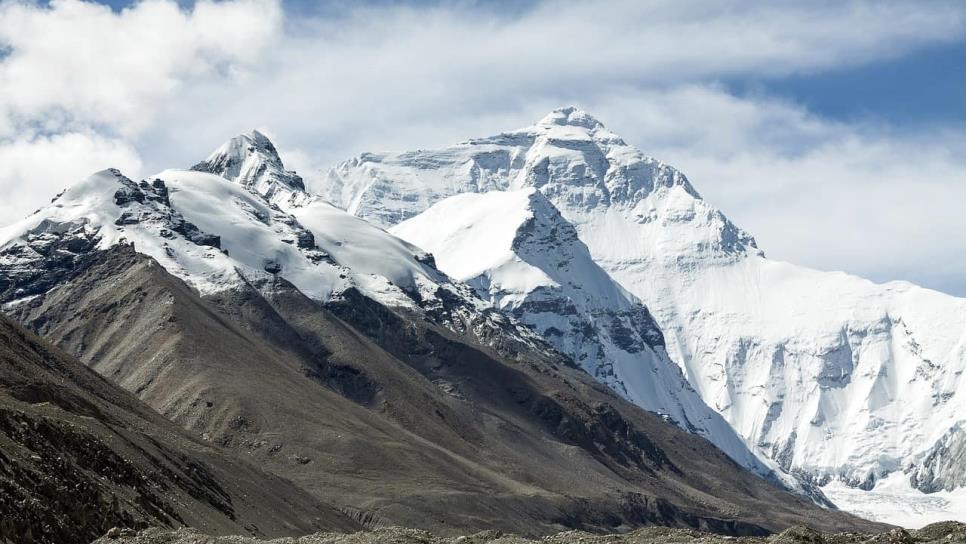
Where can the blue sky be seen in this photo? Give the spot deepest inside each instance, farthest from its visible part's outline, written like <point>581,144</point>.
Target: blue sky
<point>919,88</point>
<point>835,132</point>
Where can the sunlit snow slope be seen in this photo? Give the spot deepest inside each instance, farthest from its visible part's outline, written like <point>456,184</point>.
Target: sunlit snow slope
<point>517,251</point>
<point>828,373</point>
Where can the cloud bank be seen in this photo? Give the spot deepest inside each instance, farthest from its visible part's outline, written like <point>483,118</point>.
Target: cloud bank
<point>155,85</point>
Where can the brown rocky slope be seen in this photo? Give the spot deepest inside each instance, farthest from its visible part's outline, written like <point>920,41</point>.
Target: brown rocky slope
<point>79,455</point>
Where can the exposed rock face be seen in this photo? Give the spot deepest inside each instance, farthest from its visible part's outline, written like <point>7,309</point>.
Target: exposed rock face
<point>161,212</point>
<point>252,161</point>
<point>942,467</point>
<point>47,253</point>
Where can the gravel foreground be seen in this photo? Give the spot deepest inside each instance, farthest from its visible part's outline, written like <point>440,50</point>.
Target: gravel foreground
<point>945,533</point>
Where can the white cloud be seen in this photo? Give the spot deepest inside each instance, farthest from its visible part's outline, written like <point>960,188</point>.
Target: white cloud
<point>174,84</point>
<point>80,64</point>
<point>33,171</point>
<point>387,76</point>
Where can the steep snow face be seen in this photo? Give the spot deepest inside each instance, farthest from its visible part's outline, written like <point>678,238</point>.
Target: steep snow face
<point>518,253</point>
<point>826,372</point>
<point>383,264</point>
<point>252,161</point>
<point>856,378</point>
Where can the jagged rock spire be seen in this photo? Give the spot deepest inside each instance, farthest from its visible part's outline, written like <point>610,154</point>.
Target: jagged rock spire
<point>252,161</point>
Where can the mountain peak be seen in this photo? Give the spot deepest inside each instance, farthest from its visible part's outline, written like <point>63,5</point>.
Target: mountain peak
<point>252,161</point>
<point>256,134</point>
<point>570,116</point>
<point>252,142</point>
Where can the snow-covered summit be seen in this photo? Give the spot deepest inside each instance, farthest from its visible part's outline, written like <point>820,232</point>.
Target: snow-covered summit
<point>569,156</point>
<point>829,373</point>
<point>571,115</point>
<point>252,161</point>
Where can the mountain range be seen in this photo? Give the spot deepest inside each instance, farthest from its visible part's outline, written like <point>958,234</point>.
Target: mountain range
<point>539,330</point>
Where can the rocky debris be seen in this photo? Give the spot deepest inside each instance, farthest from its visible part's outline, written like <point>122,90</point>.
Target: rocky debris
<point>947,532</point>
<point>799,535</point>
<point>118,532</point>
<point>895,536</point>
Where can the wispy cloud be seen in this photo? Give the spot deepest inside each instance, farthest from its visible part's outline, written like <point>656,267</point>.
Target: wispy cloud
<point>163,85</point>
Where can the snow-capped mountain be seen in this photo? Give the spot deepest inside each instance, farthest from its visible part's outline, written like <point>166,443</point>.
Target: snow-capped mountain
<point>241,218</point>
<point>828,373</point>
<point>517,252</point>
